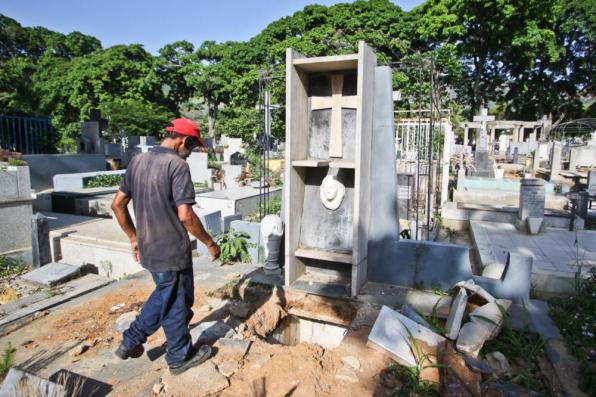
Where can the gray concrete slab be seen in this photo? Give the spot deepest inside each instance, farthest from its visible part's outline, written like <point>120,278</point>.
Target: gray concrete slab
<point>52,274</point>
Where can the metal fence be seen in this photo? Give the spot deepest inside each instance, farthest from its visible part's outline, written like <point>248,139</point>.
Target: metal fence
<point>28,135</point>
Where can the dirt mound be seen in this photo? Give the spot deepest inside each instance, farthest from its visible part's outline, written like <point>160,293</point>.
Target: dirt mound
<point>267,317</point>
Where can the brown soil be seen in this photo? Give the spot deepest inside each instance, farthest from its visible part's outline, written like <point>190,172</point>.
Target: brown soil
<point>8,294</point>
<point>267,317</point>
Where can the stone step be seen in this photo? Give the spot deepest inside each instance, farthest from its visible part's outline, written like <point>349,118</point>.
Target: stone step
<point>52,274</point>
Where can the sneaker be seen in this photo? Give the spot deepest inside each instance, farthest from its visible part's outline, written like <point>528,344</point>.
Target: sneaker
<point>124,352</point>
<point>198,358</point>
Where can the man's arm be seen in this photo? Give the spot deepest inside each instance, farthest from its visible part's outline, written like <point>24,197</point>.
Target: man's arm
<point>120,208</point>
<point>193,225</point>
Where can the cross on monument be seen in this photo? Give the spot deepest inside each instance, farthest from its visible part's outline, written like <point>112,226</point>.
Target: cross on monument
<point>336,103</point>
<point>484,118</point>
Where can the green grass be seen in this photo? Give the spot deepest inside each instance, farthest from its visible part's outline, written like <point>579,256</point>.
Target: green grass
<point>411,384</point>
<point>6,361</point>
<point>273,208</point>
<point>576,318</point>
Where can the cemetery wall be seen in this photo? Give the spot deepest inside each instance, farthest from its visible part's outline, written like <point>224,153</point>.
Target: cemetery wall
<point>43,167</point>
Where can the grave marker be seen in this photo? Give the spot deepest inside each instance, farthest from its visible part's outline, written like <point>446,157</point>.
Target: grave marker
<point>531,204</point>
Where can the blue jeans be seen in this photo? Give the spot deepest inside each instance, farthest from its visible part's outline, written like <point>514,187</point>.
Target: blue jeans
<point>168,306</point>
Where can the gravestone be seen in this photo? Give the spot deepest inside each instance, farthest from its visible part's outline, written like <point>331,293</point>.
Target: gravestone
<point>530,214</point>
<point>91,140</point>
<point>484,167</point>
<point>555,161</point>
<point>329,119</point>
<point>199,171</point>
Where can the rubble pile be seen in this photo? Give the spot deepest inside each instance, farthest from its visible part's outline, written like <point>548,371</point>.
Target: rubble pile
<point>450,355</point>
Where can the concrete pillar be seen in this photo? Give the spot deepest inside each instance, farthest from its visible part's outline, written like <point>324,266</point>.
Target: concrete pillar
<point>447,145</point>
<point>40,240</point>
<point>555,161</point>
<point>491,142</point>
<point>465,136</point>
<point>530,214</point>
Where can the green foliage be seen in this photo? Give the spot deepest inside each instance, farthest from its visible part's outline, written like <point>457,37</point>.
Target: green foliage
<point>234,247</point>
<point>6,361</point>
<point>17,163</point>
<point>529,58</point>
<point>11,267</point>
<point>273,208</point>
<point>103,181</point>
<point>201,185</point>
<point>574,316</point>
<point>214,164</point>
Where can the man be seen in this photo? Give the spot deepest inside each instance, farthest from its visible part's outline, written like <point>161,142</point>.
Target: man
<point>162,191</point>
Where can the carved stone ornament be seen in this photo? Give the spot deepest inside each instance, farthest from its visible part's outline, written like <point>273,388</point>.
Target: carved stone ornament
<point>332,192</point>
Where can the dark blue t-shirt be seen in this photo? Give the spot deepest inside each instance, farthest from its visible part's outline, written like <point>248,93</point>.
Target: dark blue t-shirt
<point>158,182</point>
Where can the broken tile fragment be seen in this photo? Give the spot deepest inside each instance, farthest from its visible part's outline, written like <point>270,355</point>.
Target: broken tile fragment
<point>476,294</point>
<point>492,315</point>
<point>456,314</point>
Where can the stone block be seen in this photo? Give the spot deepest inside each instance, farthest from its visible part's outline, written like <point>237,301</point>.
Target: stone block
<point>40,240</point>
<point>76,181</point>
<point>52,274</point>
<point>393,333</point>
<point>475,293</point>
<point>472,337</point>
<point>15,225</point>
<point>492,315</point>
<point>205,380</point>
<point>233,346</point>
<point>210,331</point>
<point>456,314</point>
<point>15,182</point>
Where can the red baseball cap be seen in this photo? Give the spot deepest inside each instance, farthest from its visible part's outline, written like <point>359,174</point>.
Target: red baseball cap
<point>186,127</point>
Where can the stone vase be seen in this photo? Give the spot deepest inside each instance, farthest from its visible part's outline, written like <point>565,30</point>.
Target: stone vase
<point>272,230</point>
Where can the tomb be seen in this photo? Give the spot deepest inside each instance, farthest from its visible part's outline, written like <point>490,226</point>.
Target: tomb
<point>329,110</point>
<point>15,208</point>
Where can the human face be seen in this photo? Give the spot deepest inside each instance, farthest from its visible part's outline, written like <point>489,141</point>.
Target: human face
<point>330,190</point>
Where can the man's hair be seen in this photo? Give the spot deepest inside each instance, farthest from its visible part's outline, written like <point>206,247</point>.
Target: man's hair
<point>175,135</point>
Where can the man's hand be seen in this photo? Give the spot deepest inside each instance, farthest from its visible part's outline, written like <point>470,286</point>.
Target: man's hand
<point>136,254</point>
<point>214,250</point>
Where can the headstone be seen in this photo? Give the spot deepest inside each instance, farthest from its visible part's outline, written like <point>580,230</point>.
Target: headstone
<point>232,173</point>
<point>15,208</point>
<point>531,202</point>
<point>90,140</point>
<point>461,177</point>
<point>147,140</point>
<point>227,221</point>
<point>484,167</point>
<point>113,150</point>
<point>40,240</point>
<point>199,171</point>
<point>515,155</point>
<point>555,161</point>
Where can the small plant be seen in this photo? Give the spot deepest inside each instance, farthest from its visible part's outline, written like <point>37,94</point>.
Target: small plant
<point>7,360</point>
<point>16,163</point>
<point>103,181</point>
<point>199,185</point>
<point>434,321</point>
<point>234,247</point>
<point>214,164</point>
<point>273,208</point>
<point>12,267</point>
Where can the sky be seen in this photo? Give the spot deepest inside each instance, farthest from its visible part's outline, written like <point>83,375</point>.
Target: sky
<point>155,23</point>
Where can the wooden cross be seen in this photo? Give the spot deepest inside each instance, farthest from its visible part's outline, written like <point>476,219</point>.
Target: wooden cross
<point>336,103</point>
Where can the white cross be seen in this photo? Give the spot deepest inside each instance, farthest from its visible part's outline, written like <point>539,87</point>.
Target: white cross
<point>482,143</point>
<point>336,102</point>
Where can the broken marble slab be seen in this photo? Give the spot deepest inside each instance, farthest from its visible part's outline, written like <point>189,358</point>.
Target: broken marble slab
<point>485,323</point>
<point>52,274</point>
<point>515,281</point>
<point>456,314</point>
<point>395,334</point>
<point>492,315</point>
<point>21,383</point>
<point>476,294</point>
<point>408,311</point>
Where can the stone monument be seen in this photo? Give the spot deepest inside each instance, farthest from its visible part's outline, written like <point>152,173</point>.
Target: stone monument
<point>484,167</point>
<point>329,118</point>
<point>272,230</point>
<point>530,215</point>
